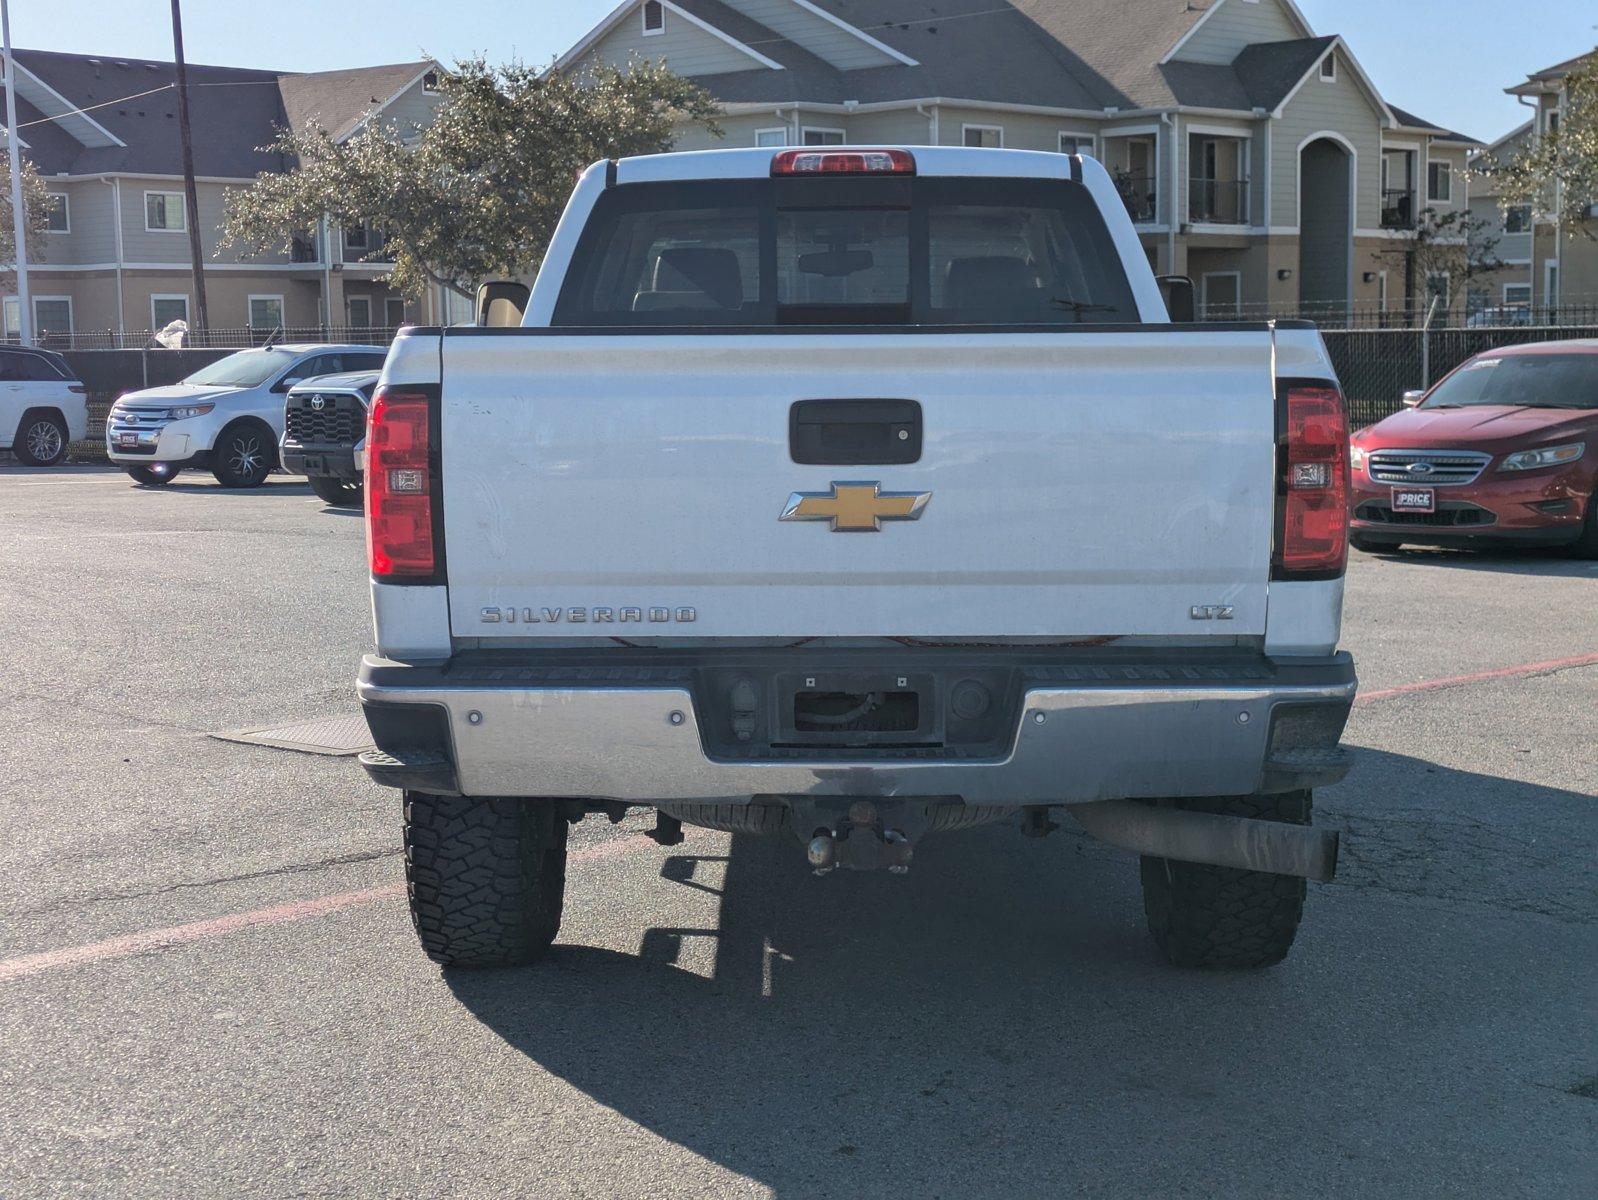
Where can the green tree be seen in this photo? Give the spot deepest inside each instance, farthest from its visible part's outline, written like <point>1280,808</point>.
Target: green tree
<point>1557,172</point>
<point>35,212</point>
<point>1448,242</point>
<point>475,193</point>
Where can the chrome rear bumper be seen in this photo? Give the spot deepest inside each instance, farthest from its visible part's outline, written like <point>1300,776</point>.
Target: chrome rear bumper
<point>1170,731</point>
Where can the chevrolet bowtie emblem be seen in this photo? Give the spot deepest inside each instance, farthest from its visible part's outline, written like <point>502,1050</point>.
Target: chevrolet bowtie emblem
<point>855,507</point>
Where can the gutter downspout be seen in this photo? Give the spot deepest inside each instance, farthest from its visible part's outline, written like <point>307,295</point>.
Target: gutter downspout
<point>932,122</point>
<point>116,217</point>
<point>1170,119</point>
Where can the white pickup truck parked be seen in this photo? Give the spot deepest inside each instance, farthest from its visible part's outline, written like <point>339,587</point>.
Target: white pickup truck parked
<point>849,496</point>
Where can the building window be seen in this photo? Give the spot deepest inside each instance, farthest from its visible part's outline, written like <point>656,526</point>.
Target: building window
<point>166,309</point>
<point>1440,181</point>
<point>1329,68</point>
<point>1553,120</point>
<point>989,137</point>
<point>776,136</point>
<point>355,237</point>
<point>394,312</point>
<point>163,212</point>
<point>52,314</point>
<point>1076,143</point>
<point>266,312</point>
<point>1517,295</point>
<point>360,312</point>
<point>654,18</point>
<point>1438,287</point>
<point>1517,218</point>
<point>58,216</point>
<point>822,137</point>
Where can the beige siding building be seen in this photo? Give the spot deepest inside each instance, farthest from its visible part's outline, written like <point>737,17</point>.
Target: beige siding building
<point>103,134</point>
<point>1252,154</point>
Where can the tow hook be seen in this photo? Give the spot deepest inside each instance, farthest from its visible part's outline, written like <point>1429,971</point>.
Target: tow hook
<point>861,842</point>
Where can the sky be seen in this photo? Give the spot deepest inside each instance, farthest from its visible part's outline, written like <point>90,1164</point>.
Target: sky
<point>1446,60</point>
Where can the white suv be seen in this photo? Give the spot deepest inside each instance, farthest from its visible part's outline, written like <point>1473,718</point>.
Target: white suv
<point>43,407</point>
<point>227,417</point>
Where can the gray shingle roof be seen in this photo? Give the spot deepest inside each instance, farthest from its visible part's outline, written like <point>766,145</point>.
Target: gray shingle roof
<point>233,111</point>
<point>1439,132</point>
<point>1269,71</point>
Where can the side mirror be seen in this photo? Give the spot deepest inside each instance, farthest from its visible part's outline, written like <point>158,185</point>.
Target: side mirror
<point>501,303</point>
<point>1412,398</point>
<point>1177,292</point>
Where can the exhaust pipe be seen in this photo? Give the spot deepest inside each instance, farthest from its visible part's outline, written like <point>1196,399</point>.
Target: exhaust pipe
<point>1220,841</point>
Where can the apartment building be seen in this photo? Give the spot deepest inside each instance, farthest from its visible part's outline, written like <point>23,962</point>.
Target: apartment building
<point>1562,264</point>
<point>103,133</point>
<point>1253,154</point>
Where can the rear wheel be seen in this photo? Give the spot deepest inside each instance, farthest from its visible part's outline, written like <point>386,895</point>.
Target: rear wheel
<point>341,493</point>
<point>244,455</point>
<point>152,476</point>
<point>1223,917</point>
<point>486,876</point>
<point>41,440</point>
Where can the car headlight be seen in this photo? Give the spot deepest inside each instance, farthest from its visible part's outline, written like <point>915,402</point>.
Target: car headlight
<point>1547,456</point>
<point>185,411</point>
<point>1356,456</point>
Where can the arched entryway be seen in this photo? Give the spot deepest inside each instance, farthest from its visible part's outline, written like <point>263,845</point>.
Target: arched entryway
<point>1325,223</point>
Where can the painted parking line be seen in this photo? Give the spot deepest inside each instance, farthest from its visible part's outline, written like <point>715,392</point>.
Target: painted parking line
<point>278,914</point>
<point>1516,672</point>
<point>300,910</point>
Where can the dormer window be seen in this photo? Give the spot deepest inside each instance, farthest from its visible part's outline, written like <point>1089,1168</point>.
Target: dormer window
<point>654,18</point>
<point>1329,68</point>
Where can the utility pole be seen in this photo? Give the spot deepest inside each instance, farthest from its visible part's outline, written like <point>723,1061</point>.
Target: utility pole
<point>19,219</point>
<point>191,196</point>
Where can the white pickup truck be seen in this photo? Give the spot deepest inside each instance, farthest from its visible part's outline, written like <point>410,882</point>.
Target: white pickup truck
<point>852,495</point>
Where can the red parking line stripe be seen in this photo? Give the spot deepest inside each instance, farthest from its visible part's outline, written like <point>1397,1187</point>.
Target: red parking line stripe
<point>1430,685</point>
<point>196,931</point>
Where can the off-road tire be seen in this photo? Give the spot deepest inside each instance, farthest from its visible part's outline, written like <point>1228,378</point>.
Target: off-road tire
<point>486,877</point>
<point>1222,917</point>
<point>41,439</point>
<point>145,477</point>
<point>244,455</point>
<point>340,493</point>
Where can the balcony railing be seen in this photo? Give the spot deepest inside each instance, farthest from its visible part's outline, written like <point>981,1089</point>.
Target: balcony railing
<point>1217,201</point>
<point>1139,195</point>
<point>1398,208</point>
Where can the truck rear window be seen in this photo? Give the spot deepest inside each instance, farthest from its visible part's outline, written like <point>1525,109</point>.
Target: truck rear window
<point>870,251</point>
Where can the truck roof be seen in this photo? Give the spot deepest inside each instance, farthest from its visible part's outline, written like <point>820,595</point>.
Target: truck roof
<point>756,163</point>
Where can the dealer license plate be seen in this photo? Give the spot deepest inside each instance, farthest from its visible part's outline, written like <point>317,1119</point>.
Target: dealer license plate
<point>1414,500</point>
<point>130,440</point>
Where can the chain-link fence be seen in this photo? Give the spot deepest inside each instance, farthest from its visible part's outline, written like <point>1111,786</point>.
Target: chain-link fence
<point>1377,366</point>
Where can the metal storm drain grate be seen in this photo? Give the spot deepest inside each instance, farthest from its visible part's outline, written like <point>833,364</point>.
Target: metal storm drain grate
<point>341,735</point>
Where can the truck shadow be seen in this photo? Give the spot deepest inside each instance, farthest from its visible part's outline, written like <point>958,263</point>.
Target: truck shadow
<point>997,1022</point>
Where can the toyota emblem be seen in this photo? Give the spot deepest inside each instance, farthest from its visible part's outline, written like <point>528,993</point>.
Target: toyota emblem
<point>318,403</point>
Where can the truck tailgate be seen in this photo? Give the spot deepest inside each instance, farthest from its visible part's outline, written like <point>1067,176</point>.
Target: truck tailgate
<point>1072,484</point>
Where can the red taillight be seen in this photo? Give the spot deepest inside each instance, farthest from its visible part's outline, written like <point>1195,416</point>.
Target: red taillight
<point>1312,491</point>
<point>843,162</point>
<point>399,487</point>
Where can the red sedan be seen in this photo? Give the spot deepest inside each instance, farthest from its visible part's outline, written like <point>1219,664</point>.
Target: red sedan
<point>1504,450</point>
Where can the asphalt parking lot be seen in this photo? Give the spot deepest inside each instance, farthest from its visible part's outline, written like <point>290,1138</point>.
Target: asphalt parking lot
<point>209,985</point>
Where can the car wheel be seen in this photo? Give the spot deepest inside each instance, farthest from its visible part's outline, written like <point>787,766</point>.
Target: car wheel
<point>158,476</point>
<point>41,440</point>
<point>244,455</point>
<point>1367,545</point>
<point>1587,544</point>
<point>486,876</point>
<point>340,493</point>
<point>1225,917</point>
